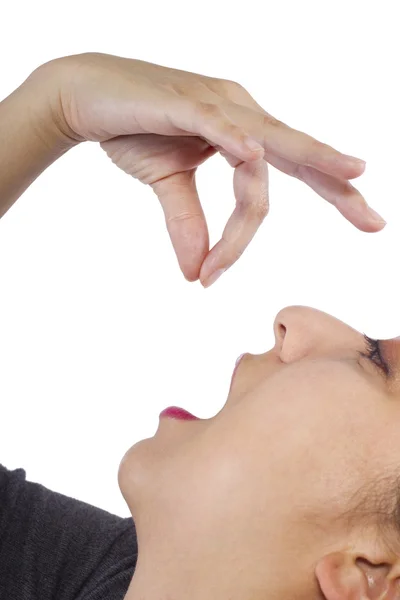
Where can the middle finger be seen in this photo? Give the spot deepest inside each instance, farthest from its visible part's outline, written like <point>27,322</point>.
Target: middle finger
<point>335,189</point>
<point>338,192</point>
<point>252,205</point>
<point>283,141</point>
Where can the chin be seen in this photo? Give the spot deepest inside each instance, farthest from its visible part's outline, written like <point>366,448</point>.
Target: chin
<point>136,470</point>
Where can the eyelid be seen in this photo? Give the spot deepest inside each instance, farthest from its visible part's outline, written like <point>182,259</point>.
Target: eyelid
<point>382,360</point>
<point>387,359</point>
<point>374,346</point>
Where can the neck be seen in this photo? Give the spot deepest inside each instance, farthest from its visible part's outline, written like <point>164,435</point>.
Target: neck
<point>165,584</point>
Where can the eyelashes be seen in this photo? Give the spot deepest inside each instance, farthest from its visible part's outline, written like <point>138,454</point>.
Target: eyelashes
<point>373,353</point>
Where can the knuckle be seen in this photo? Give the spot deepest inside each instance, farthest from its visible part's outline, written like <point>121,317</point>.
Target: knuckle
<point>183,216</point>
<point>199,86</point>
<point>253,211</point>
<point>270,120</point>
<point>235,253</point>
<point>224,87</point>
<point>236,131</point>
<point>207,109</point>
<point>259,210</point>
<point>180,90</point>
<point>298,171</point>
<point>232,86</point>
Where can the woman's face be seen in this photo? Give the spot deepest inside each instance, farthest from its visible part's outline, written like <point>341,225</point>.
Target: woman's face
<point>243,505</point>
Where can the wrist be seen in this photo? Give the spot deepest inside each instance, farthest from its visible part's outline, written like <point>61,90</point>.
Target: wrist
<point>32,134</point>
<point>45,88</point>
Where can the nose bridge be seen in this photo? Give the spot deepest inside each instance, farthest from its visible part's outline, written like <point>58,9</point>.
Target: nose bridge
<point>300,330</point>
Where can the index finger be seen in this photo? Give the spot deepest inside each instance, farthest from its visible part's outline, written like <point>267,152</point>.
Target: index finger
<point>252,205</point>
<point>298,147</point>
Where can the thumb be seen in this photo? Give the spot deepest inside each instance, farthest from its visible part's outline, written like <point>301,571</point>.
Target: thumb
<point>185,220</point>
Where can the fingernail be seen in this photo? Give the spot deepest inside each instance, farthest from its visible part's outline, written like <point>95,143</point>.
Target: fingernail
<point>376,216</point>
<point>213,277</point>
<point>355,161</point>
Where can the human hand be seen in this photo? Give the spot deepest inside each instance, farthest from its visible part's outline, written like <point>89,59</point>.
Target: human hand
<point>159,124</point>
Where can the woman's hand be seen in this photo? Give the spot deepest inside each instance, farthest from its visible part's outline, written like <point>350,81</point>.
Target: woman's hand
<point>159,124</point>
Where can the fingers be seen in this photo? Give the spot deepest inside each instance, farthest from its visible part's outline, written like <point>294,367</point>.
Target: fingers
<point>324,175</point>
<point>231,125</point>
<point>210,121</point>
<point>344,196</point>
<point>252,205</point>
<point>244,131</point>
<point>336,190</point>
<point>185,221</point>
<point>282,141</point>
<point>251,191</point>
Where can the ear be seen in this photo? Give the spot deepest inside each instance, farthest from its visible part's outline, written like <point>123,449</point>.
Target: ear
<point>346,576</point>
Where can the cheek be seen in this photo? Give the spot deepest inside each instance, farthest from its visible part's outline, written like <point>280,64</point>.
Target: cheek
<point>304,435</point>
<point>298,442</point>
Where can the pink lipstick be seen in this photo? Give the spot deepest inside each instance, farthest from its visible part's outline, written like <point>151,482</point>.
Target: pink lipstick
<point>175,412</point>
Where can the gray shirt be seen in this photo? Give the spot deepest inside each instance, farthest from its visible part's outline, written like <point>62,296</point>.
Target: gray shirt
<point>53,547</point>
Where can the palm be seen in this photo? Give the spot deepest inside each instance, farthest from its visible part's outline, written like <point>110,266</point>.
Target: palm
<point>168,164</point>
<point>152,158</point>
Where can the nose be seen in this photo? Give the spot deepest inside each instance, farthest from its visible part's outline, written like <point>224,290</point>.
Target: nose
<point>301,331</point>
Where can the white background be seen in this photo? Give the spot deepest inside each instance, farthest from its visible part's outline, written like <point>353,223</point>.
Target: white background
<point>99,330</point>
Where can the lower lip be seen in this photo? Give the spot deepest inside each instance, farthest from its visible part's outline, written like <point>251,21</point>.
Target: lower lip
<point>174,412</point>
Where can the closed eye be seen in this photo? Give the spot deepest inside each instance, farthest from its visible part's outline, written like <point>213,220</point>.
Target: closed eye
<point>373,353</point>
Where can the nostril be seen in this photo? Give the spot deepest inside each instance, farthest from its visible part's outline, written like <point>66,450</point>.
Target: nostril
<point>281,330</point>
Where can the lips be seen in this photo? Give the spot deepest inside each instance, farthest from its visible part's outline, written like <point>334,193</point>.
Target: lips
<point>237,365</point>
<point>180,414</point>
<point>175,412</point>
<point>239,358</point>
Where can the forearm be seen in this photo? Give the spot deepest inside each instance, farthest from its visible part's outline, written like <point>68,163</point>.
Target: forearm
<point>30,140</point>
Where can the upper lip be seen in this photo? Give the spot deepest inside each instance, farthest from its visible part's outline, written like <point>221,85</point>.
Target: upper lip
<point>239,358</point>
<point>238,361</point>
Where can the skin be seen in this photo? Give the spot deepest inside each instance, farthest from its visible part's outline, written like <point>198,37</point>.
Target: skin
<point>159,124</point>
<point>248,504</point>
